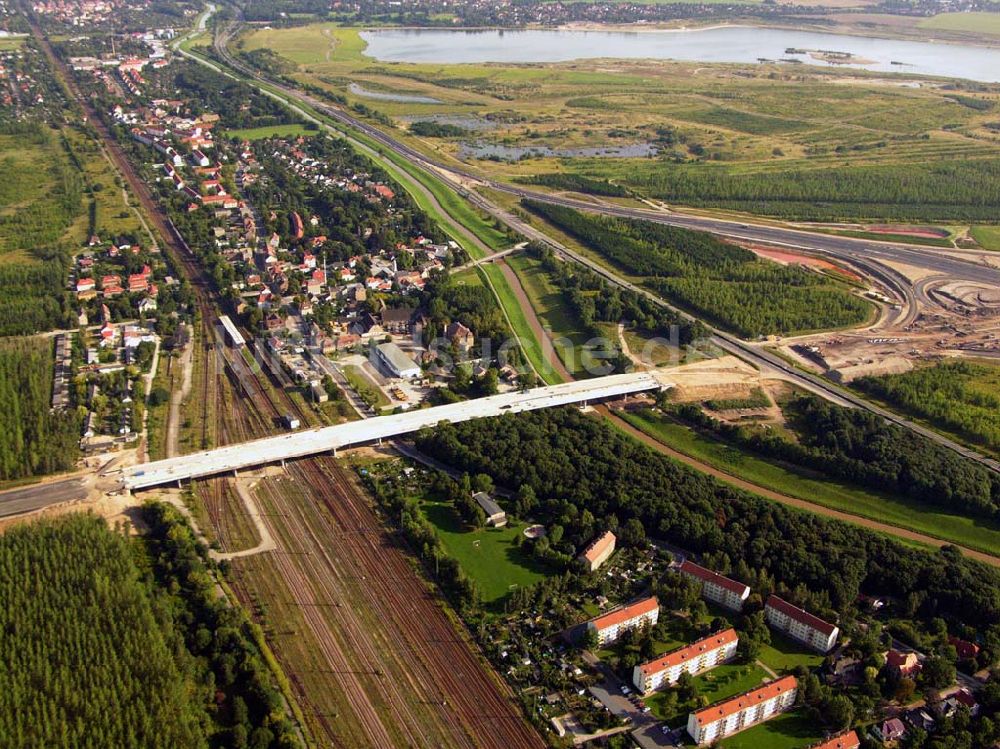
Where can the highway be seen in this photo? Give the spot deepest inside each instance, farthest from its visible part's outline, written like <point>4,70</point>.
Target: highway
<point>306,442</point>
<point>37,496</point>
<point>865,254</point>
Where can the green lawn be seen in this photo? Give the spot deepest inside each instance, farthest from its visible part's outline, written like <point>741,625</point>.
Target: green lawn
<point>897,511</point>
<point>487,555</point>
<point>272,131</point>
<point>784,655</point>
<point>988,237</point>
<point>791,730</point>
<point>722,682</point>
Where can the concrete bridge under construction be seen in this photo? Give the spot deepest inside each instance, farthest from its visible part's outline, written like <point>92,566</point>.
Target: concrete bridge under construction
<point>307,442</point>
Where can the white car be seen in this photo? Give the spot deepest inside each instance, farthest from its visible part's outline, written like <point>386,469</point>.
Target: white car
<point>625,689</point>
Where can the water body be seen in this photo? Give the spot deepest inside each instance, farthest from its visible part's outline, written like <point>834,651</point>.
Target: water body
<point>733,44</point>
<point>357,90</point>
<point>516,153</point>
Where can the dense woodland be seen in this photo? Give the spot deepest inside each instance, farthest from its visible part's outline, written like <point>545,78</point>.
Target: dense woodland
<point>723,283</point>
<point>583,475</point>
<point>857,446</point>
<point>595,300</point>
<point>576,183</point>
<point>967,190</point>
<point>34,440</point>
<point>958,396</point>
<point>90,656</point>
<point>108,642</point>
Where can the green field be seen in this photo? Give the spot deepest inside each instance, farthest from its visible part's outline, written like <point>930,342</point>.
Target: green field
<point>792,730</point>
<point>731,137</point>
<point>786,480</point>
<point>784,656</point>
<point>273,131</point>
<point>979,23</point>
<point>988,237</point>
<point>364,387</point>
<point>553,312</point>
<point>722,682</point>
<point>487,555</point>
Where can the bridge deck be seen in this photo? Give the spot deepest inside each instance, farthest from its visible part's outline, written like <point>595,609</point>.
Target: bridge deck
<point>312,441</point>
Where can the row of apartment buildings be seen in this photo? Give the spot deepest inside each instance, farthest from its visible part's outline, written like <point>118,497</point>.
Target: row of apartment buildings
<point>788,619</point>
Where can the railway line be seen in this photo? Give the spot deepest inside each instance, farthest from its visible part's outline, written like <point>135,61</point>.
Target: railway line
<point>869,255</point>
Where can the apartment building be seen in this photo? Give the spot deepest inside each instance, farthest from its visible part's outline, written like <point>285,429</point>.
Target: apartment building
<point>610,626</point>
<point>726,718</point>
<point>598,551</point>
<point>800,625</point>
<point>695,658</point>
<point>717,588</point>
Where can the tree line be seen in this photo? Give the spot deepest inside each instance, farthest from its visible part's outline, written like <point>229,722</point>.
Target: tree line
<point>574,464</point>
<point>949,394</point>
<point>34,440</point>
<point>724,283</point>
<point>862,448</point>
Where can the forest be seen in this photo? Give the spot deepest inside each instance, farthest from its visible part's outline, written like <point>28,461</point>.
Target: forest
<point>34,440</point>
<point>595,300</point>
<point>112,642</point>
<point>862,448</point>
<point>582,472</point>
<point>576,183</point>
<point>964,190</point>
<point>90,657</point>
<point>723,283</point>
<point>35,297</point>
<point>961,397</point>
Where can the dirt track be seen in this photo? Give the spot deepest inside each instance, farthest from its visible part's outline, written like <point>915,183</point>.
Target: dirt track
<point>889,530</point>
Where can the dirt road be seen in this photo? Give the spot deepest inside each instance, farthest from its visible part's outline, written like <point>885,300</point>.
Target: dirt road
<point>887,529</point>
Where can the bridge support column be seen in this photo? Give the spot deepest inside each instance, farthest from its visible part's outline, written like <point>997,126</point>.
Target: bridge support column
<point>379,441</point>
<point>333,451</point>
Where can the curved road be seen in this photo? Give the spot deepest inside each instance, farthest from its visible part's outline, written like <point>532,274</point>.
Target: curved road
<point>852,250</point>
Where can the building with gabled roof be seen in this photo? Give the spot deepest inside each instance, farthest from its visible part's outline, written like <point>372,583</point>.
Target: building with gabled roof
<point>749,709</point>
<point>610,626</point>
<point>599,550</point>
<point>847,740</point>
<point>700,656</point>
<point>717,588</point>
<point>800,625</point>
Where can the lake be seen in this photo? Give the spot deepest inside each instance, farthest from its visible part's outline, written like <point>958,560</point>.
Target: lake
<point>733,44</point>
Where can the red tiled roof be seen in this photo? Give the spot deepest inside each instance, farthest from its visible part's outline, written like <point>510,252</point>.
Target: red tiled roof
<point>800,615</point>
<point>623,614</point>
<point>722,710</point>
<point>707,575</point>
<point>847,740</point>
<point>596,547</point>
<point>690,652</point>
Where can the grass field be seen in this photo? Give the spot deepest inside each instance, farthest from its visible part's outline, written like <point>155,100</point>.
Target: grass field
<point>784,656</point>
<point>792,730</point>
<point>487,555</point>
<point>553,312</point>
<point>364,387</point>
<point>988,237</point>
<point>274,131</point>
<point>8,44</point>
<point>980,23</point>
<point>720,683</point>
<point>894,510</point>
<point>729,122</point>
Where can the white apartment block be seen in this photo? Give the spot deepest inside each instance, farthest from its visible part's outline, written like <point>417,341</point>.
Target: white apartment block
<point>729,717</point>
<point>598,550</point>
<point>800,625</point>
<point>612,625</point>
<point>695,658</point>
<point>717,588</point>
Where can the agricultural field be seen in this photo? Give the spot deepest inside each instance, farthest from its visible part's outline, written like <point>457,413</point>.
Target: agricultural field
<point>813,487</point>
<point>987,237</point>
<point>809,144</point>
<point>487,555</point>
<point>979,23</point>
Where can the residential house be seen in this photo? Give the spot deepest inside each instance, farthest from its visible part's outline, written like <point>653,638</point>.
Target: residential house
<point>460,335</point>
<point>598,551</point>
<point>889,730</point>
<point>728,593</point>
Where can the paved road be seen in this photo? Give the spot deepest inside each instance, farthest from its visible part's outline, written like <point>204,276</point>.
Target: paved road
<point>859,252</point>
<point>37,496</point>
